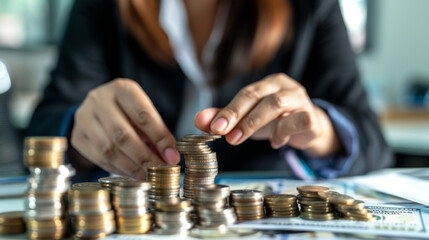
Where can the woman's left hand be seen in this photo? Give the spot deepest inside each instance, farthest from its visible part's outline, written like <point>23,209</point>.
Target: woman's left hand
<point>275,108</point>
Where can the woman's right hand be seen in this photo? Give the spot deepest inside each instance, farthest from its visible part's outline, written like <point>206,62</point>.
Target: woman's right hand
<point>118,128</point>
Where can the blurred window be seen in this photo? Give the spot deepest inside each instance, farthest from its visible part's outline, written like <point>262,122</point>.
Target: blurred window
<point>32,23</point>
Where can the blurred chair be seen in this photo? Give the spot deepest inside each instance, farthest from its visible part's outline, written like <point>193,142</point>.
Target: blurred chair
<point>10,145</point>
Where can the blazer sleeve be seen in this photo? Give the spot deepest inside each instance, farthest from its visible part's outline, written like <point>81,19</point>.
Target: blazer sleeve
<point>81,67</point>
<point>333,76</point>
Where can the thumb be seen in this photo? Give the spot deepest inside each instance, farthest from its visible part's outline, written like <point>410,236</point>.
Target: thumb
<point>204,119</point>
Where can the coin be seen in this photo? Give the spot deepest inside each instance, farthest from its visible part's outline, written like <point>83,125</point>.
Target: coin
<point>336,198</point>
<point>311,189</point>
<point>317,216</point>
<point>248,204</point>
<point>201,166</point>
<point>48,183</point>
<point>12,222</point>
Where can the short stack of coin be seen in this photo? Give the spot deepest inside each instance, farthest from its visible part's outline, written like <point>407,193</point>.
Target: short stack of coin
<point>172,216</point>
<point>44,152</point>
<point>281,205</point>
<point>210,202</point>
<point>90,211</point>
<point>248,204</point>
<point>348,207</point>
<point>45,205</point>
<point>130,202</point>
<point>312,206</point>
<point>165,180</point>
<point>12,223</point>
<point>107,182</point>
<point>201,165</point>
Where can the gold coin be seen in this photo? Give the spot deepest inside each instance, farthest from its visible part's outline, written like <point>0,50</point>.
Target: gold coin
<point>357,205</point>
<point>164,168</point>
<point>109,215</point>
<point>131,183</point>
<point>51,223</point>
<point>279,198</point>
<point>111,180</point>
<point>12,230</point>
<point>172,204</point>
<point>46,143</point>
<point>200,137</point>
<point>317,216</point>
<point>309,189</point>
<point>12,217</point>
<point>336,198</point>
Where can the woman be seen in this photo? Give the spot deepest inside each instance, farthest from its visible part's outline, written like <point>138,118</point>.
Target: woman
<point>277,78</point>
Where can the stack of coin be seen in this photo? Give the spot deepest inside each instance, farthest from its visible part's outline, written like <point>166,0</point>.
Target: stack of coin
<point>172,216</point>
<point>248,204</point>
<point>348,207</point>
<point>107,182</point>
<point>45,202</point>
<point>210,202</point>
<point>165,180</point>
<point>312,206</point>
<point>281,205</point>
<point>44,152</point>
<point>130,202</point>
<point>12,223</point>
<point>90,211</point>
<point>201,165</point>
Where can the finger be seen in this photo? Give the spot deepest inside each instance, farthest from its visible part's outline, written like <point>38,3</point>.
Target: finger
<point>139,108</point>
<point>290,125</point>
<point>85,147</point>
<point>204,118</point>
<point>241,104</point>
<point>265,132</point>
<point>123,135</point>
<point>264,112</point>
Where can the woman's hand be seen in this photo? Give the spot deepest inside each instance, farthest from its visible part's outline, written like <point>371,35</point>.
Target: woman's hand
<point>276,108</point>
<point>118,128</point>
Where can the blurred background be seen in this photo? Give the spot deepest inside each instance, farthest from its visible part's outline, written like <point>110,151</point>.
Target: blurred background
<point>390,39</point>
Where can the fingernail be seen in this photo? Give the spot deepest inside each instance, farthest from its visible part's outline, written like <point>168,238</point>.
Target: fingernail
<point>235,135</point>
<point>219,125</point>
<point>171,156</point>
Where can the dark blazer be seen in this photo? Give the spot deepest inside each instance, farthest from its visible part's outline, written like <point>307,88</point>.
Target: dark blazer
<point>96,49</point>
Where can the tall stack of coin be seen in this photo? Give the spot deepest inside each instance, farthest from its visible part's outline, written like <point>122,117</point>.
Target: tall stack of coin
<point>312,206</point>
<point>12,223</point>
<point>44,152</point>
<point>281,205</point>
<point>172,216</point>
<point>248,204</point>
<point>201,165</point>
<point>349,208</point>
<point>90,211</point>
<point>131,205</point>
<point>210,202</point>
<point>165,180</point>
<point>45,201</point>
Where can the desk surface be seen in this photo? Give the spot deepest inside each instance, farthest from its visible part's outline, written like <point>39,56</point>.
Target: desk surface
<point>277,183</point>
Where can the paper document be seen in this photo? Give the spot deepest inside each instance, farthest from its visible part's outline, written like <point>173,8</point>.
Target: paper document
<point>410,184</point>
